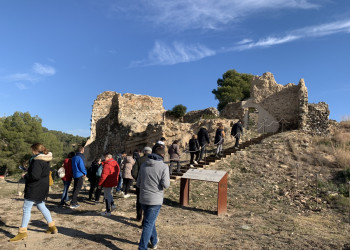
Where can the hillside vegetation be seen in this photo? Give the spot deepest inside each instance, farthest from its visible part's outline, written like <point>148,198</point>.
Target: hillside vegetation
<point>20,130</point>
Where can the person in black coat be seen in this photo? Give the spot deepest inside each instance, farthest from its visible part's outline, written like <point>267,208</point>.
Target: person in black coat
<point>236,131</point>
<point>36,189</point>
<point>194,149</point>
<point>94,179</point>
<point>203,140</point>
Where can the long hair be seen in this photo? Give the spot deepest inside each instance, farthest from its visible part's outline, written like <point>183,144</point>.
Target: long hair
<point>39,148</point>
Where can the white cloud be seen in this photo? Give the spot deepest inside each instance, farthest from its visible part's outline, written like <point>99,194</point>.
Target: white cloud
<point>311,31</point>
<point>43,69</point>
<point>203,14</point>
<point>163,54</point>
<point>21,77</point>
<point>21,86</point>
<point>37,74</point>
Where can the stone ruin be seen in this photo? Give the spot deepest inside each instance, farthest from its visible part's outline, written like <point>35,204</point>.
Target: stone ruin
<point>280,107</point>
<point>128,122</point>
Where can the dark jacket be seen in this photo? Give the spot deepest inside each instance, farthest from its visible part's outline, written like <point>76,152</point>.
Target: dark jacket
<point>237,129</point>
<point>193,145</point>
<point>37,178</point>
<point>219,136</point>
<point>136,168</point>
<point>203,137</point>
<point>91,172</point>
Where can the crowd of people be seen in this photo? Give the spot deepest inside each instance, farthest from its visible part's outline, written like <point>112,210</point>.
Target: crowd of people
<point>117,173</point>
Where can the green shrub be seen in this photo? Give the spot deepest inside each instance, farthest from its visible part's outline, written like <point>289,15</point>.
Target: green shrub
<point>178,111</point>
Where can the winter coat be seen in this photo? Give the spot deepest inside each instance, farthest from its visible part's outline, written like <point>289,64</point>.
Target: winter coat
<point>67,164</point>
<point>136,168</point>
<point>110,174</point>
<point>37,178</point>
<point>237,129</point>
<point>127,165</point>
<point>174,152</point>
<point>91,172</point>
<point>78,165</point>
<point>193,145</point>
<point>203,137</point>
<point>219,136</point>
<point>153,179</point>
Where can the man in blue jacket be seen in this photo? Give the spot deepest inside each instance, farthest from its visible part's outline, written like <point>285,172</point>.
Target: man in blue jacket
<point>79,172</point>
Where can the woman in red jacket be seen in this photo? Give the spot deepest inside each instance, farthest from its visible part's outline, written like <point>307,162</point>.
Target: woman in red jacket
<point>67,179</point>
<point>108,180</point>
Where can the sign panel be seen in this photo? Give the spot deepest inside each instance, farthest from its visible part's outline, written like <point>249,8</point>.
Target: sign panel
<point>204,175</point>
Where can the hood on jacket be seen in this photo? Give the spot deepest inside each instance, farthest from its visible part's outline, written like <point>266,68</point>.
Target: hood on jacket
<point>111,162</point>
<point>44,157</point>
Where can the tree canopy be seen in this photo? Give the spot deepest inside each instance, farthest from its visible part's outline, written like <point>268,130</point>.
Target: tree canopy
<point>178,111</point>
<point>19,131</point>
<point>233,87</point>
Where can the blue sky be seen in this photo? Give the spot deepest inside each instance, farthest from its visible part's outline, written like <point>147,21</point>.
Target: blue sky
<point>57,56</point>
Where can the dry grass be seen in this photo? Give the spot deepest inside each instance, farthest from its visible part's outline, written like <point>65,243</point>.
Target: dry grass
<point>342,157</point>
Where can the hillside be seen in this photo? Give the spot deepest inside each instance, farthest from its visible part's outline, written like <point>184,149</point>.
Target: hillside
<point>271,205</point>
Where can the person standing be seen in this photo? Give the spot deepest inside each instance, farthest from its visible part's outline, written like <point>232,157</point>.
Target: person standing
<point>152,179</point>
<point>36,190</point>
<point>158,143</point>
<point>108,180</point>
<point>127,165</point>
<point>174,154</point>
<point>67,179</point>
<point>120,159</point>
<point>135,172</point>
<point>236,131</point>
<point>203,140</point>
<point>219,139</point>
<point>93,178</point>
<point>79,172</point>
<point>194,149</point>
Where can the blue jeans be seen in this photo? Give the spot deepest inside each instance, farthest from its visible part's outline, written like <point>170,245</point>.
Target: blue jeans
<point>65,196</point>
<point>120,183</point>
<point>27,208</point>
<point>149,232</point>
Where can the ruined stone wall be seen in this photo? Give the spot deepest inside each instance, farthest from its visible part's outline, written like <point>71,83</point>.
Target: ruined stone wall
<point>197,115</point>
<point>128,122</point>
<point>317,119</point>
<point>284,104</point>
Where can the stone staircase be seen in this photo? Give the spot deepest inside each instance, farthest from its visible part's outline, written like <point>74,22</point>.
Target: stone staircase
<point>211,159</point>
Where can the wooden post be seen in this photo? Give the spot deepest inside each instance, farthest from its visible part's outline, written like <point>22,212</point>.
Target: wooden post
<point>222,196</point>
<point>184,191</point>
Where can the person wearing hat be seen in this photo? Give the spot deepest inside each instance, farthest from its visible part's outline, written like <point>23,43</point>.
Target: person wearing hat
<point>160,142</point>
<point>135,172</point>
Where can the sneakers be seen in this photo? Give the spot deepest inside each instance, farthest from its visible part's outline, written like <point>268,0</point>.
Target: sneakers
<point>105,213</point>
<point>126,195</point>
<point>113,207</point>
<point>195,162</point>
<point>150,246</point>
<point>74,206</point>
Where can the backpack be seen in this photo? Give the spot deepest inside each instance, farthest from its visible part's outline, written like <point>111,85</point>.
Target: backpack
<point>99,171</point>
<point>61,172</point>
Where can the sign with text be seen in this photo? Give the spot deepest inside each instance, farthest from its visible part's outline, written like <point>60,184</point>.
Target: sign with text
<point>204,175</point>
